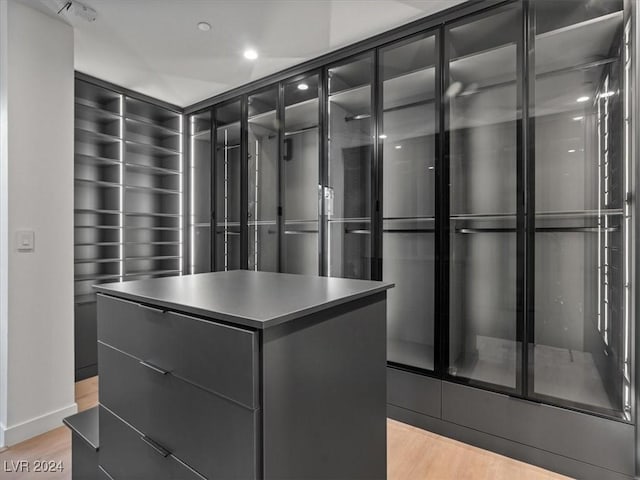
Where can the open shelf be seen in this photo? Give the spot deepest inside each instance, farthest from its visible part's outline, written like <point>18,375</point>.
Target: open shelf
<point>145,127</point>
<point>97,183</point>
<point>97,260</point>
<point>153,189</point>
<point>151,273</point>
<point>95,160</point>
<point>94,137</point>
<point>96,210</point>
<point>150,149</point>
<point>92,276</point>
<point>150,169</point>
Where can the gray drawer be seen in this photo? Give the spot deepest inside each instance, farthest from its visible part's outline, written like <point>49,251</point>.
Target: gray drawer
<point>125,455</point>
<point>217,357</point>
<point>214,435</point>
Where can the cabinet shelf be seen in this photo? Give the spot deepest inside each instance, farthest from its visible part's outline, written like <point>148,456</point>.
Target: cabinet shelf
<point>153,189</point>
<point>97,183</point>
<point>90,136</point>
<point>96,260</point>
<point>96,113</point>
<point>149,214</point>
<point>100,227</point>
<point>146,126</point>
<point>158,229</point>
<point>153,257</point>
<point>97,244</point>
<point>151,272</point>
<point>96,210</point>
<point>149,149</point>
<point>95,160</point>
<point>151,169</point>
<point>91,276</point>
<point>153,243</point>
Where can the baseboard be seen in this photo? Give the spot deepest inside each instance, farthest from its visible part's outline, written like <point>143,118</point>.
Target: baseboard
<point>35,426</point>
<point>508,448</point>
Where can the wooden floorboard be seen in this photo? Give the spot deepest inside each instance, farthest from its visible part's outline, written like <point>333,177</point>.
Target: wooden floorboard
<point>412,454</point>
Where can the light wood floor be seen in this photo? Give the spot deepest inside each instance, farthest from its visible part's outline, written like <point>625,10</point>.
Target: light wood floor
<point>412,454</point>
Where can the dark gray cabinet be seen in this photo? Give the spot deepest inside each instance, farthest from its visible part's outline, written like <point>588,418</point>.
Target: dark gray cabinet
<point>243,375</point>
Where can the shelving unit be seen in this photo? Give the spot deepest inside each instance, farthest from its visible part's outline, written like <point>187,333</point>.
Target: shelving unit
<point>128,199</point>
<point>152,190</point>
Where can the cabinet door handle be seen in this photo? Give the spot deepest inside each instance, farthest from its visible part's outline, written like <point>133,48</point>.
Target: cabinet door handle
<point>157,447</point>
<point>152,309</point>
<point>153,367</point>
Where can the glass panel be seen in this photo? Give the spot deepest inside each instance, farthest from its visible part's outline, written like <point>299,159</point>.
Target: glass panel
<point>348,195</point>
<point>580,349</point>
<point>301,177</point>
<point>483,111</point>
<point>227,186</point>
<point>200,201</point>
<point>409,124</point>
<point>263,181</point>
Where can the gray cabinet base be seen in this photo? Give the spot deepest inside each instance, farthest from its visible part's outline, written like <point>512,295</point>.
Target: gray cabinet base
<point>324,388</point>
<point>575,444</point>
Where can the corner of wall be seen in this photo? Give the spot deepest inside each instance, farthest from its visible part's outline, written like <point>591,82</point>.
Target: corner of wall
<point>4,184</point>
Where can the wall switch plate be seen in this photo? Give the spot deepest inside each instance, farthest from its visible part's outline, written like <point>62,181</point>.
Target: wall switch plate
<point>26,240</point>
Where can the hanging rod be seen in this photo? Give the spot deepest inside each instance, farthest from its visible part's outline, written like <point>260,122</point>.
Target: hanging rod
<point>302,130</point>
<point>540,230</point>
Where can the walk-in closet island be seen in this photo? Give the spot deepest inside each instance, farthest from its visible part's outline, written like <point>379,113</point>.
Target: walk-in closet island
<point>242,374</point>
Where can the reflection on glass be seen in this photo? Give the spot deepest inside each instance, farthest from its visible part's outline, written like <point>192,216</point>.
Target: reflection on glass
<point>301,177</point>
<point>481,96</point>
<point>580,349</point>
<point>263,181</point>
<point>348,199</point>
<point>227,186</point>
<point>200,188</point>
<point>408,259</point>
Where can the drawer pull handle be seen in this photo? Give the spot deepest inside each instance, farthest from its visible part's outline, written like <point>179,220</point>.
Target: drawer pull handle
<point>152,309</point>
<point>158,448</point>
<point>153,367</point>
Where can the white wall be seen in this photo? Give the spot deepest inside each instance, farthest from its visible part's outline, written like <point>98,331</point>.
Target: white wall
<point>36,315</point>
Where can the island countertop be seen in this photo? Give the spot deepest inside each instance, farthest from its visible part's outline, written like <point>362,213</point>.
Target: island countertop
<point>253,299</point>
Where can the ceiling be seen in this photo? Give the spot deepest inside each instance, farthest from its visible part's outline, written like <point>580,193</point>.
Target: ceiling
<point>154,46</point>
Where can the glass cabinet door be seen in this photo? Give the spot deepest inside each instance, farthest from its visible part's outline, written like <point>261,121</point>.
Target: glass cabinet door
<point>227,186</point>
<point>481,102</point>
<point>409,126</point>
<point>580,342</point>
<point>348,192</point>
<point>263,139</point>
<point>200,192</point>
<point>301,179</point>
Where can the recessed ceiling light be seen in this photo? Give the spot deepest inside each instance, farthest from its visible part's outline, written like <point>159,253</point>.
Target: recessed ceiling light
<point>573,150</point>
<point>398,147</point>
<point>383,136</point>
<point>582,99</point>
<point>607,94</point>
<point>432,168</point>
<point>204,26</point>
<point>577,119</point>
<point>303,86</point>
<point>250,54</point>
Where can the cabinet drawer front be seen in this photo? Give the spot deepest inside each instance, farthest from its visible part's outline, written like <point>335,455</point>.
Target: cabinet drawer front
<point>219,358</point>
<point>125,455</point>
<point>214,435</point>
